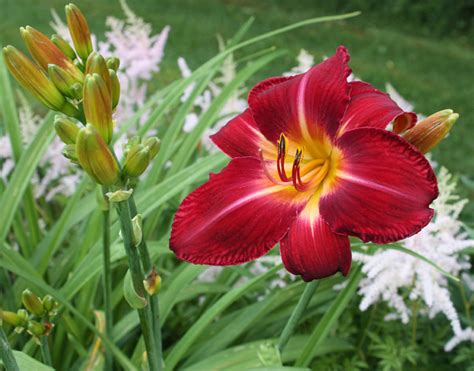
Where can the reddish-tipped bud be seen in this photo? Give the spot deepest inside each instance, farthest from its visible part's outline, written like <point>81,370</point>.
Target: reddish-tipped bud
<point>45,52</point>
<point>32,303</point>
<point>431,131</point>
<point>98,106</point>
<point>66,129</point>
<point>79,30</point>
<point>136,161</point>
<point>115,88</point>
<point>95,157</point>
<point>96,64</point>
<point>64,46</point>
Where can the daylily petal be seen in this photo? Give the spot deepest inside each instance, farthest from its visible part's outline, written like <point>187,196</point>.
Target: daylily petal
<point>304,107</point>
<point>370,107</point>
<point>237,216</point>
<point>240,137</point>
<point>382,190</point>
<point>312,250</point>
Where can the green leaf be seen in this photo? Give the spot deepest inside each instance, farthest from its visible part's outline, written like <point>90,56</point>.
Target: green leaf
<point>21,176</point>
<point>329,318</point>
<point>27,363</point>
<point>183,345</point>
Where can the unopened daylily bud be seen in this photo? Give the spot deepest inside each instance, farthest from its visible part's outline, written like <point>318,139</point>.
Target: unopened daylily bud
<point>11,318</point>
<point>152,283</point>
<point>96,64</point>
<point>115,88</point>
<point>45,52</point>
<point>154,145</point>
<point>132,142</point>
<point>33,79</point>
<point>113,63</point>
<point>49,303</point>
<point>32,303</point>
<point>79,30</point>
<point>98,106</point>
<point>137,229</point>
<point>430,132</point>
<point>77,90</point>
<point>23,314</point>
<point>136,161</point>
<point>95,157</point>
<point>64,46</point>
<point>66,129</point>
<point>63,81</point>
<point>36,328</point>
<point>69,152</point>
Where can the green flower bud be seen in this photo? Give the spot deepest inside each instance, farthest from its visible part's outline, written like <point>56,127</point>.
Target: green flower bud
<point>69,152</point>
<point>113,63</point>
<point>11,318</point>
<point>115,88</point>
<point>66,129</point>
<point>132,142</point>
<point>61,79</point>
<point>36,328</point>
<point>23,314</point>
<point>77,90</point>
<point>98,106</point>
<point>136,161</point>
<point>95,157</point>
<point>49,303</point>
<point>79,30</point>
<point>154,145</point>
<point>96,64</point>
<point>64,46</point>
<point>32,303</point>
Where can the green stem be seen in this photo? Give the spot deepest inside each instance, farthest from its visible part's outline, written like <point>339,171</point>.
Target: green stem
<point>107,278</point>
<point>6,353</point>
<point>45,351</point>
<point>303,302</point>
<point>154,301</point>
<point>144,314</point>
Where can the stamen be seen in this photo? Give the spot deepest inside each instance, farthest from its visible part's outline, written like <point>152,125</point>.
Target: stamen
<point>268,173</point>
<point>282,150</point>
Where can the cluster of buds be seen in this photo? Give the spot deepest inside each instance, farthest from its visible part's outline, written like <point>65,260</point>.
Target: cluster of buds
<point>84,87</point>
<point>35,318</point>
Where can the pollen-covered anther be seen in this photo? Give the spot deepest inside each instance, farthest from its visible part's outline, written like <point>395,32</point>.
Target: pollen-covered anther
<point>282,150</point>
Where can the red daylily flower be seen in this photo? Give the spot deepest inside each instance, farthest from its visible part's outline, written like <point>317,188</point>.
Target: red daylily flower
<point>311,164</point>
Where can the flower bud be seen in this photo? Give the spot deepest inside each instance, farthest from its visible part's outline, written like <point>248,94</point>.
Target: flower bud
<point>64,46</point>
<point>132,142</point>
<point>49,303</point>
<point>136,161</point>
<point>45,52</point>
<point>11,318</point>
<point>113,63</point>
<point>61,79</point>
<point>69,152</point>
<point>152,283</point>
<point>428,133</point>
<point>98,106</point>
<point>95,157</point>
<point>79,30</point>
<point>115,88</point>
<point>24,316</point>
<point>66,129</point>
<point>77,90</point>
<point>33,79</point>
<point>36,328</point>
<point>96,64</point>
<point>32,303</point>
<point>154,145</point>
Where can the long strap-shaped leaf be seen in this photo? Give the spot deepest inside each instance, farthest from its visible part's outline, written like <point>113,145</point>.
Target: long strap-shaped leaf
<point>21,176</point>
<point>329,319</point>
<point>200,325</point>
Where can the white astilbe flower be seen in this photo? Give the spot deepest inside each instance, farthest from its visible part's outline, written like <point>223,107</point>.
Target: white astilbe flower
<point>399,279</point>
<point>305,62</point>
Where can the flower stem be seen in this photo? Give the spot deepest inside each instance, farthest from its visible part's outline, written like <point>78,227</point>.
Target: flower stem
<point>144,314</point>
<point>303,302</point>
<point>6,353</point>
<point>154,301</point>
<point>107,282</point>
<point>45,351</point>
